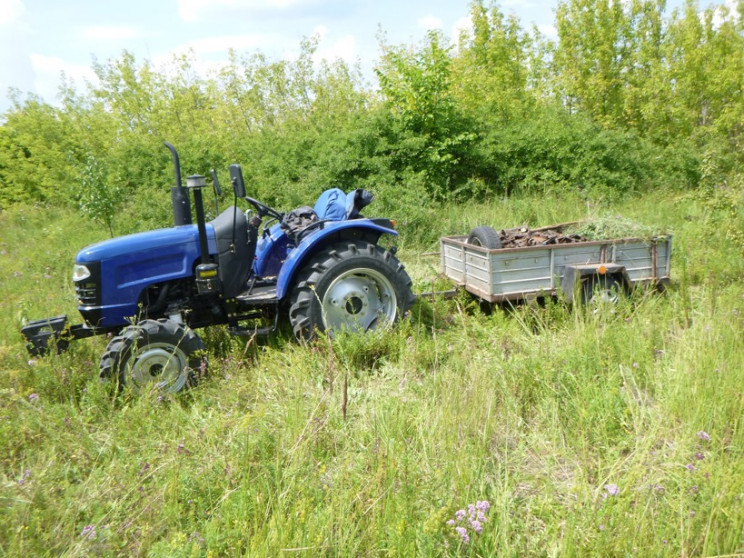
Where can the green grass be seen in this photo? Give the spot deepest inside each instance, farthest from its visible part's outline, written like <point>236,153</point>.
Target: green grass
<point>542,410</point>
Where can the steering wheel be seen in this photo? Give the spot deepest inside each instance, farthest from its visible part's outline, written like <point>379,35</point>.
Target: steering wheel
<point>264,210</point>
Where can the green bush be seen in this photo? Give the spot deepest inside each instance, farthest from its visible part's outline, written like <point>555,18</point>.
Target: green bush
<point>555,149</point>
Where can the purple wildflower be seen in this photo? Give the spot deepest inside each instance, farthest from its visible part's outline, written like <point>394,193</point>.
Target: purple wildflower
<point>451,522</point>
<point>690,467</point>
<point>694,489</point>
<point>89,531</point>
<point>612,489</point>
<point>480,516</point>
<point>699,456</point>
<point>460,515</point>
<point>33,397</point>
<point>463,534</point>
<point>601,527</point>
<point>659,489</point>
<point>476,525</point>
<point>703,435</point>
<point>483,505</point>
<point>24,477</point>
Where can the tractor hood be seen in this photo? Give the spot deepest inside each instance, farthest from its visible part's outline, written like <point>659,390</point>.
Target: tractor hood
<point>111,275</point>
<point>183,238</point>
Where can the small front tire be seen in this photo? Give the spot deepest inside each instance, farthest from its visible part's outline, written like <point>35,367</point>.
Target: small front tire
<point>160,352</point>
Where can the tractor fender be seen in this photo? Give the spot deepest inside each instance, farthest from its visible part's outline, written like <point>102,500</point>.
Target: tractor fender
<point>333,231</point>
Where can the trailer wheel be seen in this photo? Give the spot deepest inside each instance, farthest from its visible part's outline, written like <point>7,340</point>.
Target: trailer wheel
<point>356,286</point>
<point>155,351</point>
<point>599,289</point>
<point>485,237</point>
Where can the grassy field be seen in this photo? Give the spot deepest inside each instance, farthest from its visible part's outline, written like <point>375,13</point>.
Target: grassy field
<point>571,432</point>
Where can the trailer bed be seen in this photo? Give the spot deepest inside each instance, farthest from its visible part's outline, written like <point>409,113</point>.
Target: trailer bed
<point>498,275</point>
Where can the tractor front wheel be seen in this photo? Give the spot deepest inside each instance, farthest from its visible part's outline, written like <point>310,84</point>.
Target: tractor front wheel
<point>353,286</point>
<point>162,352</point>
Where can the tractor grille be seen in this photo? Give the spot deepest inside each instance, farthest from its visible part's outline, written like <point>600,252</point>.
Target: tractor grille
<point>87,293</point>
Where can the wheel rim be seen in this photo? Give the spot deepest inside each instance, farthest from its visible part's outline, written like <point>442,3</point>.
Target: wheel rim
<point>161,363</point>
<point>359,300</point>
<point>606,296</point>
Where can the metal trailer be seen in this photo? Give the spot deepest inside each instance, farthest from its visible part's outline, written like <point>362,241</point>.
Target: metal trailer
<point>584,268</point>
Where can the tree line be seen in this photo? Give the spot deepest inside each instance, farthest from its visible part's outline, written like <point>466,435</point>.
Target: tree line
<point>628,97</point>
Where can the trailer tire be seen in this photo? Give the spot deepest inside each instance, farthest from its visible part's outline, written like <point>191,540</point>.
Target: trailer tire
<point>155,351</point>
<point>485,237</point>
<point>599,289</point>
<point>353,285</point>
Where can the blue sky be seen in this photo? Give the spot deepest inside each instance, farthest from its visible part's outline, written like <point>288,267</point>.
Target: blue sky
<point>40,39</point>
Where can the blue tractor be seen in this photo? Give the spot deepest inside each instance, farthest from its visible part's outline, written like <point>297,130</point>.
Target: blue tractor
<point>321,267</point>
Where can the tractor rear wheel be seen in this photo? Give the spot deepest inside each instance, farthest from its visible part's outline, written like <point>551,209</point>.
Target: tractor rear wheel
<point>353,286</point>
<point>162,352</point>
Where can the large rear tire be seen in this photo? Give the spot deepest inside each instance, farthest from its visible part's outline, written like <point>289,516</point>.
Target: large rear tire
<point>155,351</point>
<point>353,286</point>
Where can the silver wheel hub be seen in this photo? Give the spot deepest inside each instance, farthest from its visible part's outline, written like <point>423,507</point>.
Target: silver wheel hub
<point>161,363</point>
<point>359,300</point>
<point>607,296</point>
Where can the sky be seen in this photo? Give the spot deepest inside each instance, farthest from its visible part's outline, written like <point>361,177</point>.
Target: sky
<point>41,39</point>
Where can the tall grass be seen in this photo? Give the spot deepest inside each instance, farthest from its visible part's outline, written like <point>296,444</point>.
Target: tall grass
<point>610,431</point>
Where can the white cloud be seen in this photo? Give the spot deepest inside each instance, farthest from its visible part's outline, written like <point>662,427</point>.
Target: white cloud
<point>10,11</point>
<point>196,10</point>
<point>320,31</point>
<point>48,69</point>
<point>549,31</point>
<point>524,4</point>
<point>462,25</point>
<point>15,66</point>
<point>430,22</point>
<point>211,45</point>
<point>724,12</point>
<point>344,49</point>
<point>209,55</point>
<point>113,33</point>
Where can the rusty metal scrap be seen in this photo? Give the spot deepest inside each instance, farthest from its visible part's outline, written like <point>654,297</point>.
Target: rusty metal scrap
<point>523,236</point>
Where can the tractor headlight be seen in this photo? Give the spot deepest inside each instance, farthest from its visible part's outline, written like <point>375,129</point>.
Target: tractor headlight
<point>80,272</point>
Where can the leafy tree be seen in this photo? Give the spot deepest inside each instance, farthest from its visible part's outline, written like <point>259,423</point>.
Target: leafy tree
<point>427,133</point>
<point>98,199</point>
<point>33,161</point>
<point>496,67</point>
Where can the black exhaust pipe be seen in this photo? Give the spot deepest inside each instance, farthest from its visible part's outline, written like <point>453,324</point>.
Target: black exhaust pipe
<point>179,195</point>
